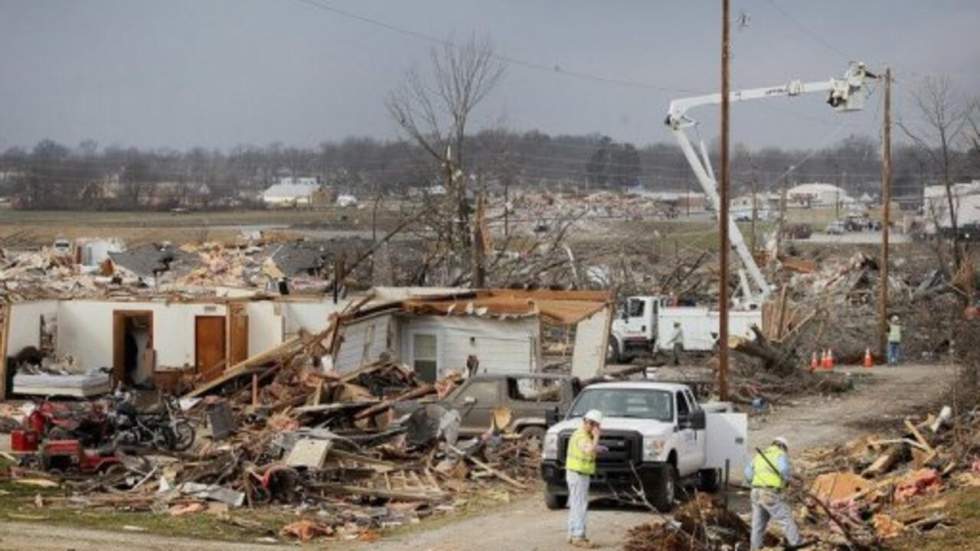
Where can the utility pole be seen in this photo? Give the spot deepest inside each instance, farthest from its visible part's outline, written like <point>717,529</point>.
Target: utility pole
<point>782,213</point>
<point>723,210</point>
<point>755,212</point>
<point>886,197</point>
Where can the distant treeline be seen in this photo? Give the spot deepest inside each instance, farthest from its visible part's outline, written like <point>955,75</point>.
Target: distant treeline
<point>55,176</point>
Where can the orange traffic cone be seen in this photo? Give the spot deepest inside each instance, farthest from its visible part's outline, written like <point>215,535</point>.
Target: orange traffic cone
<point>830,358</point>
<point>869,362</point>
<point>814,363</point>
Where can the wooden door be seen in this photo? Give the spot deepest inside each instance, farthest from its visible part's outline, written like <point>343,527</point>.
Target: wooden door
<point>209,344</point>
<point>237,334</point>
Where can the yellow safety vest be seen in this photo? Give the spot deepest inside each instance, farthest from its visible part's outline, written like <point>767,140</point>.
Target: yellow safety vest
<point>764,475</point>
<point>576,459</point>
<point>894,332</point>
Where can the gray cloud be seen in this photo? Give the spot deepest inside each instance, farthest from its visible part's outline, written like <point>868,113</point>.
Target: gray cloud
<point>219,73</point>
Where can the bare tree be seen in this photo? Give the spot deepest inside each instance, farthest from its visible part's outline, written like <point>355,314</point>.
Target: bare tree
<point>942,118</point>
<point>434,110</point>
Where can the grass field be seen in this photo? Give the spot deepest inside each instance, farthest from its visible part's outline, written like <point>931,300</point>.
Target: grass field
<point>36,228</point>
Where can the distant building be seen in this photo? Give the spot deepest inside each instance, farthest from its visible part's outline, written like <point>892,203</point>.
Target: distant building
<point>966,202</point>
<point>680,200</point>
<point>817,195</point>
<point>346,200</point>
<point>291,192</point>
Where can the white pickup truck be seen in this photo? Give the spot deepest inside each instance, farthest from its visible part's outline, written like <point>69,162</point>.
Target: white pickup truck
<point>646,323</point>
<point>656,436</point>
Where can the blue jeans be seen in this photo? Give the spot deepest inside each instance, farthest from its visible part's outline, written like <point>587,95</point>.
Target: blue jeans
<point>578,503</point>
<point>894,352</point>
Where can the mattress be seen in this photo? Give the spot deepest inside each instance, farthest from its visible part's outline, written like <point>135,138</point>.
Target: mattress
<point>93,383</point>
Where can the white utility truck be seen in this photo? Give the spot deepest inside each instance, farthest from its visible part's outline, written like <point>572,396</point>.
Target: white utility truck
<point>656,436</point>
<point>646,323</point>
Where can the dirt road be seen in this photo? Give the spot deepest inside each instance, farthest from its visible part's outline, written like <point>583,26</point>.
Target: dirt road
<point>525,524</point>
<point>528,525</point>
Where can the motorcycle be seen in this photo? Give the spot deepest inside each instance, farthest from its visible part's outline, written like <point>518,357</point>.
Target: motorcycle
<point>165,430</point>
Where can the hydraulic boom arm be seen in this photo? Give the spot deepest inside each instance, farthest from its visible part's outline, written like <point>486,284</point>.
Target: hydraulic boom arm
<point>846,94</point>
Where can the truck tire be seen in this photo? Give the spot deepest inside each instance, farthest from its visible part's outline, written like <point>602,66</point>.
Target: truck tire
<point>665,490</point>
<point>554,502</point>
<point>613,354</point>
<point>709,480</point>
<point>533,433</point>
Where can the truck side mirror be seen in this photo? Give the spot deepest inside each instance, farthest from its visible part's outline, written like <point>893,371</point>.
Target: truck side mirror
<point>551,417</point>
<point>684,422</point>
<point>698,420</point>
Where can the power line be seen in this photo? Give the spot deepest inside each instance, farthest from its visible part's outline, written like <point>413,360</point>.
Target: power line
<point>812,34</point>
<point>510,60</point>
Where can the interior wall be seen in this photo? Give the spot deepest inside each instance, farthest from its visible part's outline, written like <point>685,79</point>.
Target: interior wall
<point>85,330</point>
<point>312,317</point>
<point>25,326</point>
<point>265,326</point>
<point>501,346</point>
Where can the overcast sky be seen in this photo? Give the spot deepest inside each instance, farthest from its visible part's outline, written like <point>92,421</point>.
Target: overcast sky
<point>218,73</point>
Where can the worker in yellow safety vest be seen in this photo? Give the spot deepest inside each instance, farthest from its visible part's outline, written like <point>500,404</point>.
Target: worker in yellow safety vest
<point>579,468</point>
<point>768,473</point>
<point>894,341</point>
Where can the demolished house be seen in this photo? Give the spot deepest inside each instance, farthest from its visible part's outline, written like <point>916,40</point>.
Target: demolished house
<point>80,347</point>
<point>494,331</point>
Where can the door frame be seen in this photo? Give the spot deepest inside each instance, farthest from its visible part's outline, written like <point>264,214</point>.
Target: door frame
<point>119,318</point>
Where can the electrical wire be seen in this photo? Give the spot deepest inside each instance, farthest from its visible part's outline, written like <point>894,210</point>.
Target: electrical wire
<point>812,34</point>
<point>510,60</point>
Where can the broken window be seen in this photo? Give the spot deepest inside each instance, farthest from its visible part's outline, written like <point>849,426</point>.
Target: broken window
<point>531,390</point>
<point>425,356</point>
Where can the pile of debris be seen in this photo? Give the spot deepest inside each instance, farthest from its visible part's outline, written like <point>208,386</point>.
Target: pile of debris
<point>347,454</point>
<point>702,524</point>
<point>874,489</point>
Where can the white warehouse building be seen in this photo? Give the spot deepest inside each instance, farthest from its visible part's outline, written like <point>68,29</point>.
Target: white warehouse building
<point>290,191</point>
<point>817,195</point>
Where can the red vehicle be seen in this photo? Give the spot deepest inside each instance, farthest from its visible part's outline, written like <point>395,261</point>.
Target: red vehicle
<point>85,421</point>
<point>68,456</point>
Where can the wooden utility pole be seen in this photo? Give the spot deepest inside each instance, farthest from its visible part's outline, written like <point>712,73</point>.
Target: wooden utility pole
<point>886,198</point>
<point>755,212</point>
<point>723,244</point>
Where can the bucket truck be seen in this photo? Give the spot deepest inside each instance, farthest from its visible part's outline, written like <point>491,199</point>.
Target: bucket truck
<point>646,323</point>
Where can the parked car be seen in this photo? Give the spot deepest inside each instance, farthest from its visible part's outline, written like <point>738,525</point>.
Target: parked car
<point>529,397</point>
<point>835,228</point>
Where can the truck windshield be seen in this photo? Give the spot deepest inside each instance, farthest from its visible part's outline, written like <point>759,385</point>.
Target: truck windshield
<point>625,402</point>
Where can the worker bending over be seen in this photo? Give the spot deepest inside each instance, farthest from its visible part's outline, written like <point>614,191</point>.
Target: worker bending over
<point>579,468</point>
<point>768,472</point>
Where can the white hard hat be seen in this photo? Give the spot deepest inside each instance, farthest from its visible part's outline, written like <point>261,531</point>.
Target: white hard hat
<point>594,415</point>
<point>895,317</point>
<point>781,441</point>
